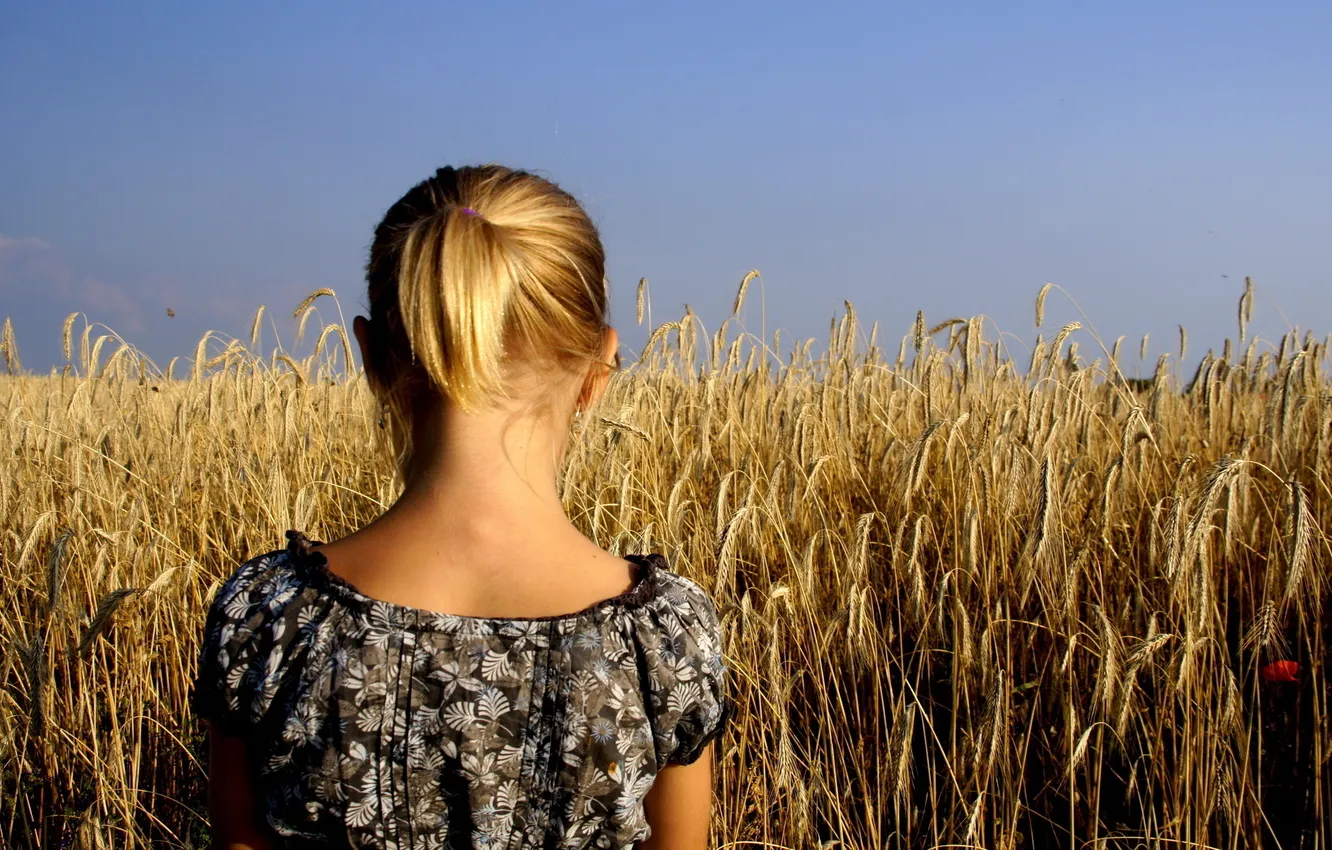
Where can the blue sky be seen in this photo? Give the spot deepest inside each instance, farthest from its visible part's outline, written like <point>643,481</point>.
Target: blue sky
<point>950,156</point>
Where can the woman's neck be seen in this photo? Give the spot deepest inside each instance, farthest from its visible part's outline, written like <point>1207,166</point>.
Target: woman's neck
<point>499,460</point>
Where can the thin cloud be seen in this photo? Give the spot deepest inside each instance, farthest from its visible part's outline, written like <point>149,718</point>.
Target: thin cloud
<point>33,271</point>
<point>31,264</point>
<point>21,243</point>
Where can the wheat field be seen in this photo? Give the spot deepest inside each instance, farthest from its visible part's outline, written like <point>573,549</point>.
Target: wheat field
<point>970,599</point>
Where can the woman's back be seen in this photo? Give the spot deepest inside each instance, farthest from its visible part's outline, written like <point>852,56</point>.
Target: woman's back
<point>381,725</point>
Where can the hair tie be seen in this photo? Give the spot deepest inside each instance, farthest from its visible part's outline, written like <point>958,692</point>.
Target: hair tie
<point>469,210</point>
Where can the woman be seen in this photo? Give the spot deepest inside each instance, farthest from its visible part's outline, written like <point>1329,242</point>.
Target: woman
<point>468,670</point>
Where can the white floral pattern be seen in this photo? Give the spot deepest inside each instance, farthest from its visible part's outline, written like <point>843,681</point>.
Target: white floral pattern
<point>374,725</point>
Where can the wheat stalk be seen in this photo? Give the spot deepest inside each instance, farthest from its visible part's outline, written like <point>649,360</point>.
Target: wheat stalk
<point>869,530</point>
<point>1040,303</point>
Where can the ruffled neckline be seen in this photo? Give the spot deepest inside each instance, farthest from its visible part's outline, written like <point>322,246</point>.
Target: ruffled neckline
<point>302,553</point>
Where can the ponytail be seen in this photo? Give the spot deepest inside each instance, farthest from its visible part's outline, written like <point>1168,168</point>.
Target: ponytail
<point>454,288</point>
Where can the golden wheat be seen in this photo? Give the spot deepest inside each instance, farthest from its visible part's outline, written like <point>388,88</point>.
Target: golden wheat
<point>965,605</point>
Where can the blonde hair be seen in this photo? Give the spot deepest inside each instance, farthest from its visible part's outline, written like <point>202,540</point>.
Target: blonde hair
<point>473,269</point>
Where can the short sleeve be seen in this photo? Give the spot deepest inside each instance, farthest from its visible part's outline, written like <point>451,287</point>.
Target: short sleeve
<point>235,652</point>
<point>690,697</point>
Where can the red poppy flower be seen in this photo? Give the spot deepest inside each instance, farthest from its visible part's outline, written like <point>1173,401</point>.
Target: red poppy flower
<point>1280,671</point>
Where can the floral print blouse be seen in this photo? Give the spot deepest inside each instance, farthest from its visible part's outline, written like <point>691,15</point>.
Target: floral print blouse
<point>375,725</point>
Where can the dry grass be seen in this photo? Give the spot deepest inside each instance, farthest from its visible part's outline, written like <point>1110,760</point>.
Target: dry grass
<point>968,603</point>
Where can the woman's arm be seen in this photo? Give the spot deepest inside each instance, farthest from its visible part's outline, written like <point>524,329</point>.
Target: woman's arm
<point>231,809</point>
<point>679,806</point>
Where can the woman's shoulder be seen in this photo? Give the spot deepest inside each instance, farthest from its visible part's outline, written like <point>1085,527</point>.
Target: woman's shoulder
<point>260,580</point>
<point>684,667</point>
<point>685,617</point>
<point>251,620</point>
<point>682,598</point>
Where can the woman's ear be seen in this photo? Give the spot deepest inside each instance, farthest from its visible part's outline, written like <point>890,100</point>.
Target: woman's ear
<point>601,372</point>
<point>610,347</point>
<point>598,375</point>
<point>361,330</point>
